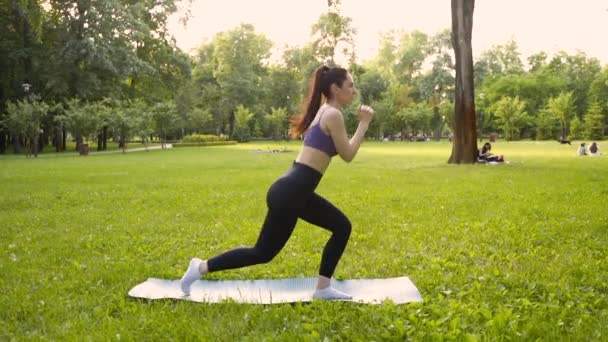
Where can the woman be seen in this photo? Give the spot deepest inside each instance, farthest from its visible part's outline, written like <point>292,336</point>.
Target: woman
<point>485,154</point>
<point>292,196</point>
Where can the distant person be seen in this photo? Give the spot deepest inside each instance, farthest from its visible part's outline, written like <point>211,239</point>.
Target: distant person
<point>594,149</point>
<point>564,141</point>
<point>582,151</point>
<point>486,156</point>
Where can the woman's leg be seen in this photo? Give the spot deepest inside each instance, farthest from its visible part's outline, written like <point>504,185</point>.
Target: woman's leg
<point>321,212</point>
<point>285,200</point>
<point>278,227</point>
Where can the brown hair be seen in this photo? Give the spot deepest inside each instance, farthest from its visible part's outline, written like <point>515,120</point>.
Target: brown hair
<point>320,87</point>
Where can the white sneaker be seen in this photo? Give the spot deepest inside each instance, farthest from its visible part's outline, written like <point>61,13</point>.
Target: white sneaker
<point>191,275</point>
<point>329,293</point>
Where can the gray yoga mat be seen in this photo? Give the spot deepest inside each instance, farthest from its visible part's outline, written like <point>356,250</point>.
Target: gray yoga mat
<point>274,291</point>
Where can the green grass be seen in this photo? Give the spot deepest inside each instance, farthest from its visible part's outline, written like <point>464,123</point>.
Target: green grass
<point>505,252</point>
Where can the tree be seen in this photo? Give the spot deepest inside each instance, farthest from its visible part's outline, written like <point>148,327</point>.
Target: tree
<point>80,120</point>
<point>414,119</point>
<point>238,68</point>
<point>563,108</point>
<point>124,122</point>
<point>537,61</point>
<point>24,120</point>
<point>281,89</point>
<point>101,114</point>
<point>385,59</point>
<point>242,117</point>
<point>511,116</point>
<point>144,126</point>
<point>497,61</point>
<point>411,53</point>
<point>546,125</point>
<point>200,120</point>
<point>102,43</point>
<point>598,93</point>
<point>576,129</point>
<point>464,147</point>
<point>371,86</point>
<point>594,122</point>
<point>302,62</point>
<point>278,121</point>
<point>578,71</point>
<point>439,81</point>
<point>164,115</point>
<point>333,31</point>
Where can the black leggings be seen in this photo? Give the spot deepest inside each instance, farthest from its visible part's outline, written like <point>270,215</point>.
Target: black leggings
<point>291,197</point>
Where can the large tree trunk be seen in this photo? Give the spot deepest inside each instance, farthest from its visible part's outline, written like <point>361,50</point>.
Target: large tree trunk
<point>464,146</point>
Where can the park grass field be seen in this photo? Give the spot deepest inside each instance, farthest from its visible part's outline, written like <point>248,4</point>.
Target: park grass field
<point>498,252</point>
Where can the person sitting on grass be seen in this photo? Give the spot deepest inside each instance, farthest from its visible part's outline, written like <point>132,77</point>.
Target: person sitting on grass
<point>582,151</point>
<point>594,149</point>
<point>486,156</point>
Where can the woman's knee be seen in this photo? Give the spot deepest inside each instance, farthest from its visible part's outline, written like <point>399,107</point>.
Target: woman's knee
<point>262,256</point>
<point>345,228</point>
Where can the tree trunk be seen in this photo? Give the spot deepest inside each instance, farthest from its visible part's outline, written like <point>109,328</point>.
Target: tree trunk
<point>464,146</point>
<point>78,141</point>
<point>99,141</point>
<point>437,132</point>
<point>28,147</point>
<point>42,141</point>
<point>104,138</point>
<point>35,145</point>
<point>57,141</point>
<point>3,143</point>
<point>64,138</point>
<point>123,143</point>
<point>16,144</point>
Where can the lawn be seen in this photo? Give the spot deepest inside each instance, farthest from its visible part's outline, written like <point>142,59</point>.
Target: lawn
<point>498,252</point>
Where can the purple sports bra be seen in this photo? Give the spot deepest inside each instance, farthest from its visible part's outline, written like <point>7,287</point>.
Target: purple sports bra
<point>316,138</point>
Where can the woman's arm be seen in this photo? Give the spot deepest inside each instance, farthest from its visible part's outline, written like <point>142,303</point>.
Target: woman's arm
<point>347,149</point>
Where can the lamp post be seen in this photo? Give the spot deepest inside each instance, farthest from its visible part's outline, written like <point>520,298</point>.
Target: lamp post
<point>31,97</point>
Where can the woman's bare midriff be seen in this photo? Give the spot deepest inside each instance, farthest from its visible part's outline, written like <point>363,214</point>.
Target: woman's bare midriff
<point>314,158</point>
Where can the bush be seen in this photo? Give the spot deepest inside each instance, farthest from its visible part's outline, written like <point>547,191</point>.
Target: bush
<point>202,138</point>
<point>206,143</point>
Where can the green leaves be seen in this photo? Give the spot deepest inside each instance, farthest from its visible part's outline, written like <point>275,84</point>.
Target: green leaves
<point>277,119</point>
<point>242,117</point>
<point>563,108</point>
<point>511,116</point>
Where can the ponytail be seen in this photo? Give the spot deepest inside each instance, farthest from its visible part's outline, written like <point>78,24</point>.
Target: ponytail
<point>300,123</point>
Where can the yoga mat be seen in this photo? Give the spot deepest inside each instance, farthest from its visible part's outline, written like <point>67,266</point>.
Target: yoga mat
<point>274,291</point>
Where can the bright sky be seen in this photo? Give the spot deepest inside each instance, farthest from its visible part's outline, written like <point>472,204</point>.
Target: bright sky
<point>536,25</point>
